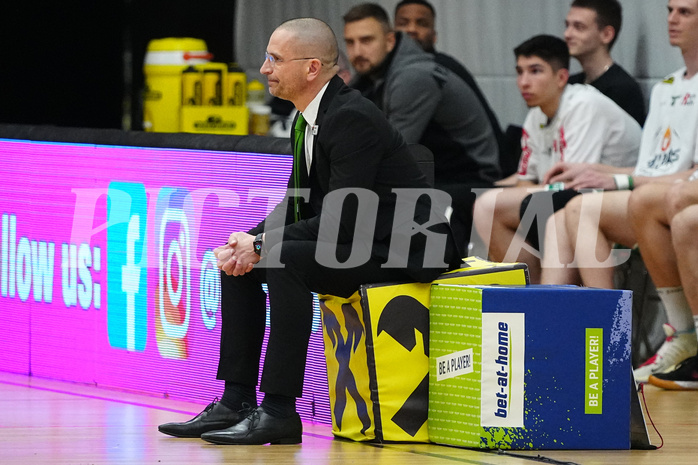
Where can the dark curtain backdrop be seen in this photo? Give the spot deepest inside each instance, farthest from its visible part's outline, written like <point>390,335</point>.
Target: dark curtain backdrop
<point>80,63</point>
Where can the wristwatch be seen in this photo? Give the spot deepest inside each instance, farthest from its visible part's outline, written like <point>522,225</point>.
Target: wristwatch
<point>258,242</point>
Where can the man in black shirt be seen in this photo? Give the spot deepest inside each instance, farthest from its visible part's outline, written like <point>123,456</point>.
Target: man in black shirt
<point>591,29</point>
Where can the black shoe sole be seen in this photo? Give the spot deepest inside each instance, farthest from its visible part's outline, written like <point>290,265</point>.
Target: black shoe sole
<point>183,436</point>
<point>282,441</point>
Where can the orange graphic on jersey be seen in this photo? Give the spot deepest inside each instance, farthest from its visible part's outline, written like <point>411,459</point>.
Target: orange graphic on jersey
<point>666,141</point>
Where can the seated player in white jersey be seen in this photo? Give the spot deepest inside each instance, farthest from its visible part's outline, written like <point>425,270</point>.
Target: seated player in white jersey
<point>572,123</point>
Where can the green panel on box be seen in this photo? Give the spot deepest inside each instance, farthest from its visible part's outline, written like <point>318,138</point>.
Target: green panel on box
<point>455,322</point>
<point>593,390</point>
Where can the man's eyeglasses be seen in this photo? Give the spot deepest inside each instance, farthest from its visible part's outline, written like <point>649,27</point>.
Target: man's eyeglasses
<point>273,61</point>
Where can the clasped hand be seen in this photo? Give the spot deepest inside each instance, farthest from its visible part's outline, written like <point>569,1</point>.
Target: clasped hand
<point>579,176</point>
<point>237,257</point>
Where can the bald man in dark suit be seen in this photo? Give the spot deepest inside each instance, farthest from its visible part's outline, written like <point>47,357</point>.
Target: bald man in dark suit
<point>363,189</point>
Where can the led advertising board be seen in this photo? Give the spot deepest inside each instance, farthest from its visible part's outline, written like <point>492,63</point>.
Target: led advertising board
<point>107,274</point>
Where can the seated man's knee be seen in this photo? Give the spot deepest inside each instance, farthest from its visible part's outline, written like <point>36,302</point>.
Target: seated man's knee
<point>641,199</point>
<point>684,226</point>
<point>294,252</point>
<point>680,196</point>
<point>485,204</point>
<point>484,208</point>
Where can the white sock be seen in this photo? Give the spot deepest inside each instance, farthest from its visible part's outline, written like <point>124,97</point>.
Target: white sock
<point>678,312</point>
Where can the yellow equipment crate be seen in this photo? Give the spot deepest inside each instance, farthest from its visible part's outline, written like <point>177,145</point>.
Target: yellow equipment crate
<point>215,120</point>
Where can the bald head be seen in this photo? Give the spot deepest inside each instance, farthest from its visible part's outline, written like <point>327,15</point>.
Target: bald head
<point>301,58</point>
<point>313,38</point>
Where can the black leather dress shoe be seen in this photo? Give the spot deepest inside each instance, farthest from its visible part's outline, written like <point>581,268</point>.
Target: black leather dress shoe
<point>260,428</point>
<point>214,417</point>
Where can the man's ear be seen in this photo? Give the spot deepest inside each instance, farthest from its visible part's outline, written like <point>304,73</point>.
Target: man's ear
<point>607,34</point>
<point>390,40</point>
<point>314,68</point>
<point>562,75</point>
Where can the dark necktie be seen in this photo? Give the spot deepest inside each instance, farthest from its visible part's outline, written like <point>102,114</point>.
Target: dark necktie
<point>298,162</point>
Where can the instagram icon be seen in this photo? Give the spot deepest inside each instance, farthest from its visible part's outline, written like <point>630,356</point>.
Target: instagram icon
<point>173,294</point>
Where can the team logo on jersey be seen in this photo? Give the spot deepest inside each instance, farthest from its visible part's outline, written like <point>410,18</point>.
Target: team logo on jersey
<point>685,100</point>
<point>666,140</point>
<point>668,154</point>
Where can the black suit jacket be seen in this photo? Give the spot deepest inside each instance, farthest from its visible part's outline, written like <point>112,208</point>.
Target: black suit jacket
<point>355,147</point>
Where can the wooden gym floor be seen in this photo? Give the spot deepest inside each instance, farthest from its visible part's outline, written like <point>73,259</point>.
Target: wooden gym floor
<point>44,421</point>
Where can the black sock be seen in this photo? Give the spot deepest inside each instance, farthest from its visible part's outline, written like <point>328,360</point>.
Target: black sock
<point>236,395</point>
<point>279,406</point>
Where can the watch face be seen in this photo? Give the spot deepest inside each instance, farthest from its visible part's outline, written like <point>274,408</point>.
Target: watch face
<point>258,246</point>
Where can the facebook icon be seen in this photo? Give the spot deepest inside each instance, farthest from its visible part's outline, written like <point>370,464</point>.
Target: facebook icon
<point>127,318</point>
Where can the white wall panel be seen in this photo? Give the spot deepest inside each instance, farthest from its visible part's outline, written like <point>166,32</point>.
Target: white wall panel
<point>482,35</point>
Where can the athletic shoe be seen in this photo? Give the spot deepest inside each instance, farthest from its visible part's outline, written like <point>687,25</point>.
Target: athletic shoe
<point>676,348</point>
<point>683,378</point>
